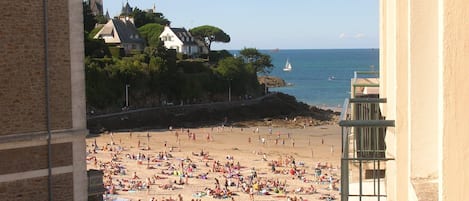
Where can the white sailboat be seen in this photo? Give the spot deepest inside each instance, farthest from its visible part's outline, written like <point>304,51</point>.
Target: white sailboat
<point>287,67</point>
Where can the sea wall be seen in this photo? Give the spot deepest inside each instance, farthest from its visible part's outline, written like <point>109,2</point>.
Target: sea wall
<point>272,105</point>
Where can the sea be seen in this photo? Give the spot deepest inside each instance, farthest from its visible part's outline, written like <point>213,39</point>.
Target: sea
<point>321,77</point>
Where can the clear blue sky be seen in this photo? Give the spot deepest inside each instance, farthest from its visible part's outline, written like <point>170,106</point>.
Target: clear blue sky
<point>269,24</point>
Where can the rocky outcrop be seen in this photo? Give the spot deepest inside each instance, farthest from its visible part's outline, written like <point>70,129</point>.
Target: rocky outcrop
<point>272,81</point>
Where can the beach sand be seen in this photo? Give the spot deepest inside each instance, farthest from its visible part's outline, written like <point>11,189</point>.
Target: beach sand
<point>307,146</point>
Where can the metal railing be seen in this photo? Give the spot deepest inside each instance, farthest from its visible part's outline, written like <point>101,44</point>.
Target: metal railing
<point>368,74</point>
<point>363,131</point>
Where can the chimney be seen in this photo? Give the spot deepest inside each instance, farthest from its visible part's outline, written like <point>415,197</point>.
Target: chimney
<point>126,18</point>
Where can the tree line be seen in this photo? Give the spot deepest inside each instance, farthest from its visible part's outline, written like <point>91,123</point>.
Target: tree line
<point>158,76</point>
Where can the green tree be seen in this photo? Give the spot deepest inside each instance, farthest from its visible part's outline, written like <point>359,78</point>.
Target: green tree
<point>235,74</point>
<point>101,19</point>
<point>230,67</point>
<point>96,48</point>
<point>210,34</point>
<point>103,89</point>
<point>95,31</point>
<point>261,63</point>
<point>151,33</point>
<point>93,48</point>
<point>89,20</point>
<point>142,18</point>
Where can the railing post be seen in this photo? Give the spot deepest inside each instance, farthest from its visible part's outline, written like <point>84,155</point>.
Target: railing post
<point>366,125</point>
<point>344,180</point>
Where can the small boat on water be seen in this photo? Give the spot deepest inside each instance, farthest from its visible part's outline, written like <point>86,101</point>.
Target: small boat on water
<point>287,67</point>
<point>331,78</point>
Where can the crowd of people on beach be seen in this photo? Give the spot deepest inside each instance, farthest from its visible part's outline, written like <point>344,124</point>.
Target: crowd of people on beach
<point>169,171</point>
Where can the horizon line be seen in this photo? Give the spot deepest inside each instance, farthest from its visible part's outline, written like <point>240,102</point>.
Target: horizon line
<point>279,49</point>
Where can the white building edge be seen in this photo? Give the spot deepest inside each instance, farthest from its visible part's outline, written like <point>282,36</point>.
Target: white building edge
<point>424,65</point>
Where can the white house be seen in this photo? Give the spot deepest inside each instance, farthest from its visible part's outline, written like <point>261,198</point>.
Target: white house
<point>180,40</point>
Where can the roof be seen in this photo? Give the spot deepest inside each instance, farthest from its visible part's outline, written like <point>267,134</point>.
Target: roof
<point>107,15</point>
<point>126,32</point>
<point>126,10</point>
<point>184,36</point>
<point>365,86</point>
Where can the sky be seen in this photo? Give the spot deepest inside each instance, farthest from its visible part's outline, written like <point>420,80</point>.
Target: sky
<point>271,24</point>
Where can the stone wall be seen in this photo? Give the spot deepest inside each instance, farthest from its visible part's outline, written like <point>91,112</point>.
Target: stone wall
<point>23,79</point>
<point>23,145</point>
<point>195,115</point>
<point>36,188</point>
<point>34,158</point>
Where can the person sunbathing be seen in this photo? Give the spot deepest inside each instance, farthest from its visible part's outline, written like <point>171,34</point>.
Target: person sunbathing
<point>202,176</point>
<point>156,177</point>
<point>179,182</point>
<point>166,186</point>
<point>310,190</point>
<point>300,190</point>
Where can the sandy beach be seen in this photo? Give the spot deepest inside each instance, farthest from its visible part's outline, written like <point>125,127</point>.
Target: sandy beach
<point>212,163</point>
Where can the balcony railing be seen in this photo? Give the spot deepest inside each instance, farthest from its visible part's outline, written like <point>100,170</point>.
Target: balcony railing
<point>363,149</point>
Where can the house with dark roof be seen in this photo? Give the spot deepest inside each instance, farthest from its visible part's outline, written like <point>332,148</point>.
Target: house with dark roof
<point>122,33</point>
<point>127,9</point>
<point>181,40</point>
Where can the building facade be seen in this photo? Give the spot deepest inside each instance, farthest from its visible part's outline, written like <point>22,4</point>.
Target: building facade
<point>43,122</point>
<point>424,64</point>
<point>181,40</point>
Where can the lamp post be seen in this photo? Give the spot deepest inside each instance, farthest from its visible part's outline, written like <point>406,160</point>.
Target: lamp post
<point>229,90</point>
<point>127,95</point>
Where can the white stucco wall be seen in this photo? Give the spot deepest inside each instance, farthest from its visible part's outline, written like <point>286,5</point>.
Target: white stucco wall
<point>423,86</point>
<point>455,100</point>
<point>424,59</point>
<point>174,43</point>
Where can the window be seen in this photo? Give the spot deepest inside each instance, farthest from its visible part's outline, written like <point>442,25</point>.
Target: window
<point>167,38</point>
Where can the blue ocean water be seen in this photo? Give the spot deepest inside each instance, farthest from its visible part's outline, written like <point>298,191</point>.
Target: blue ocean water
<point>313,68</point>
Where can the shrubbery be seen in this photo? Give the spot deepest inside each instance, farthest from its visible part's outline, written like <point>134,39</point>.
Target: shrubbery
<point>159,75</point>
